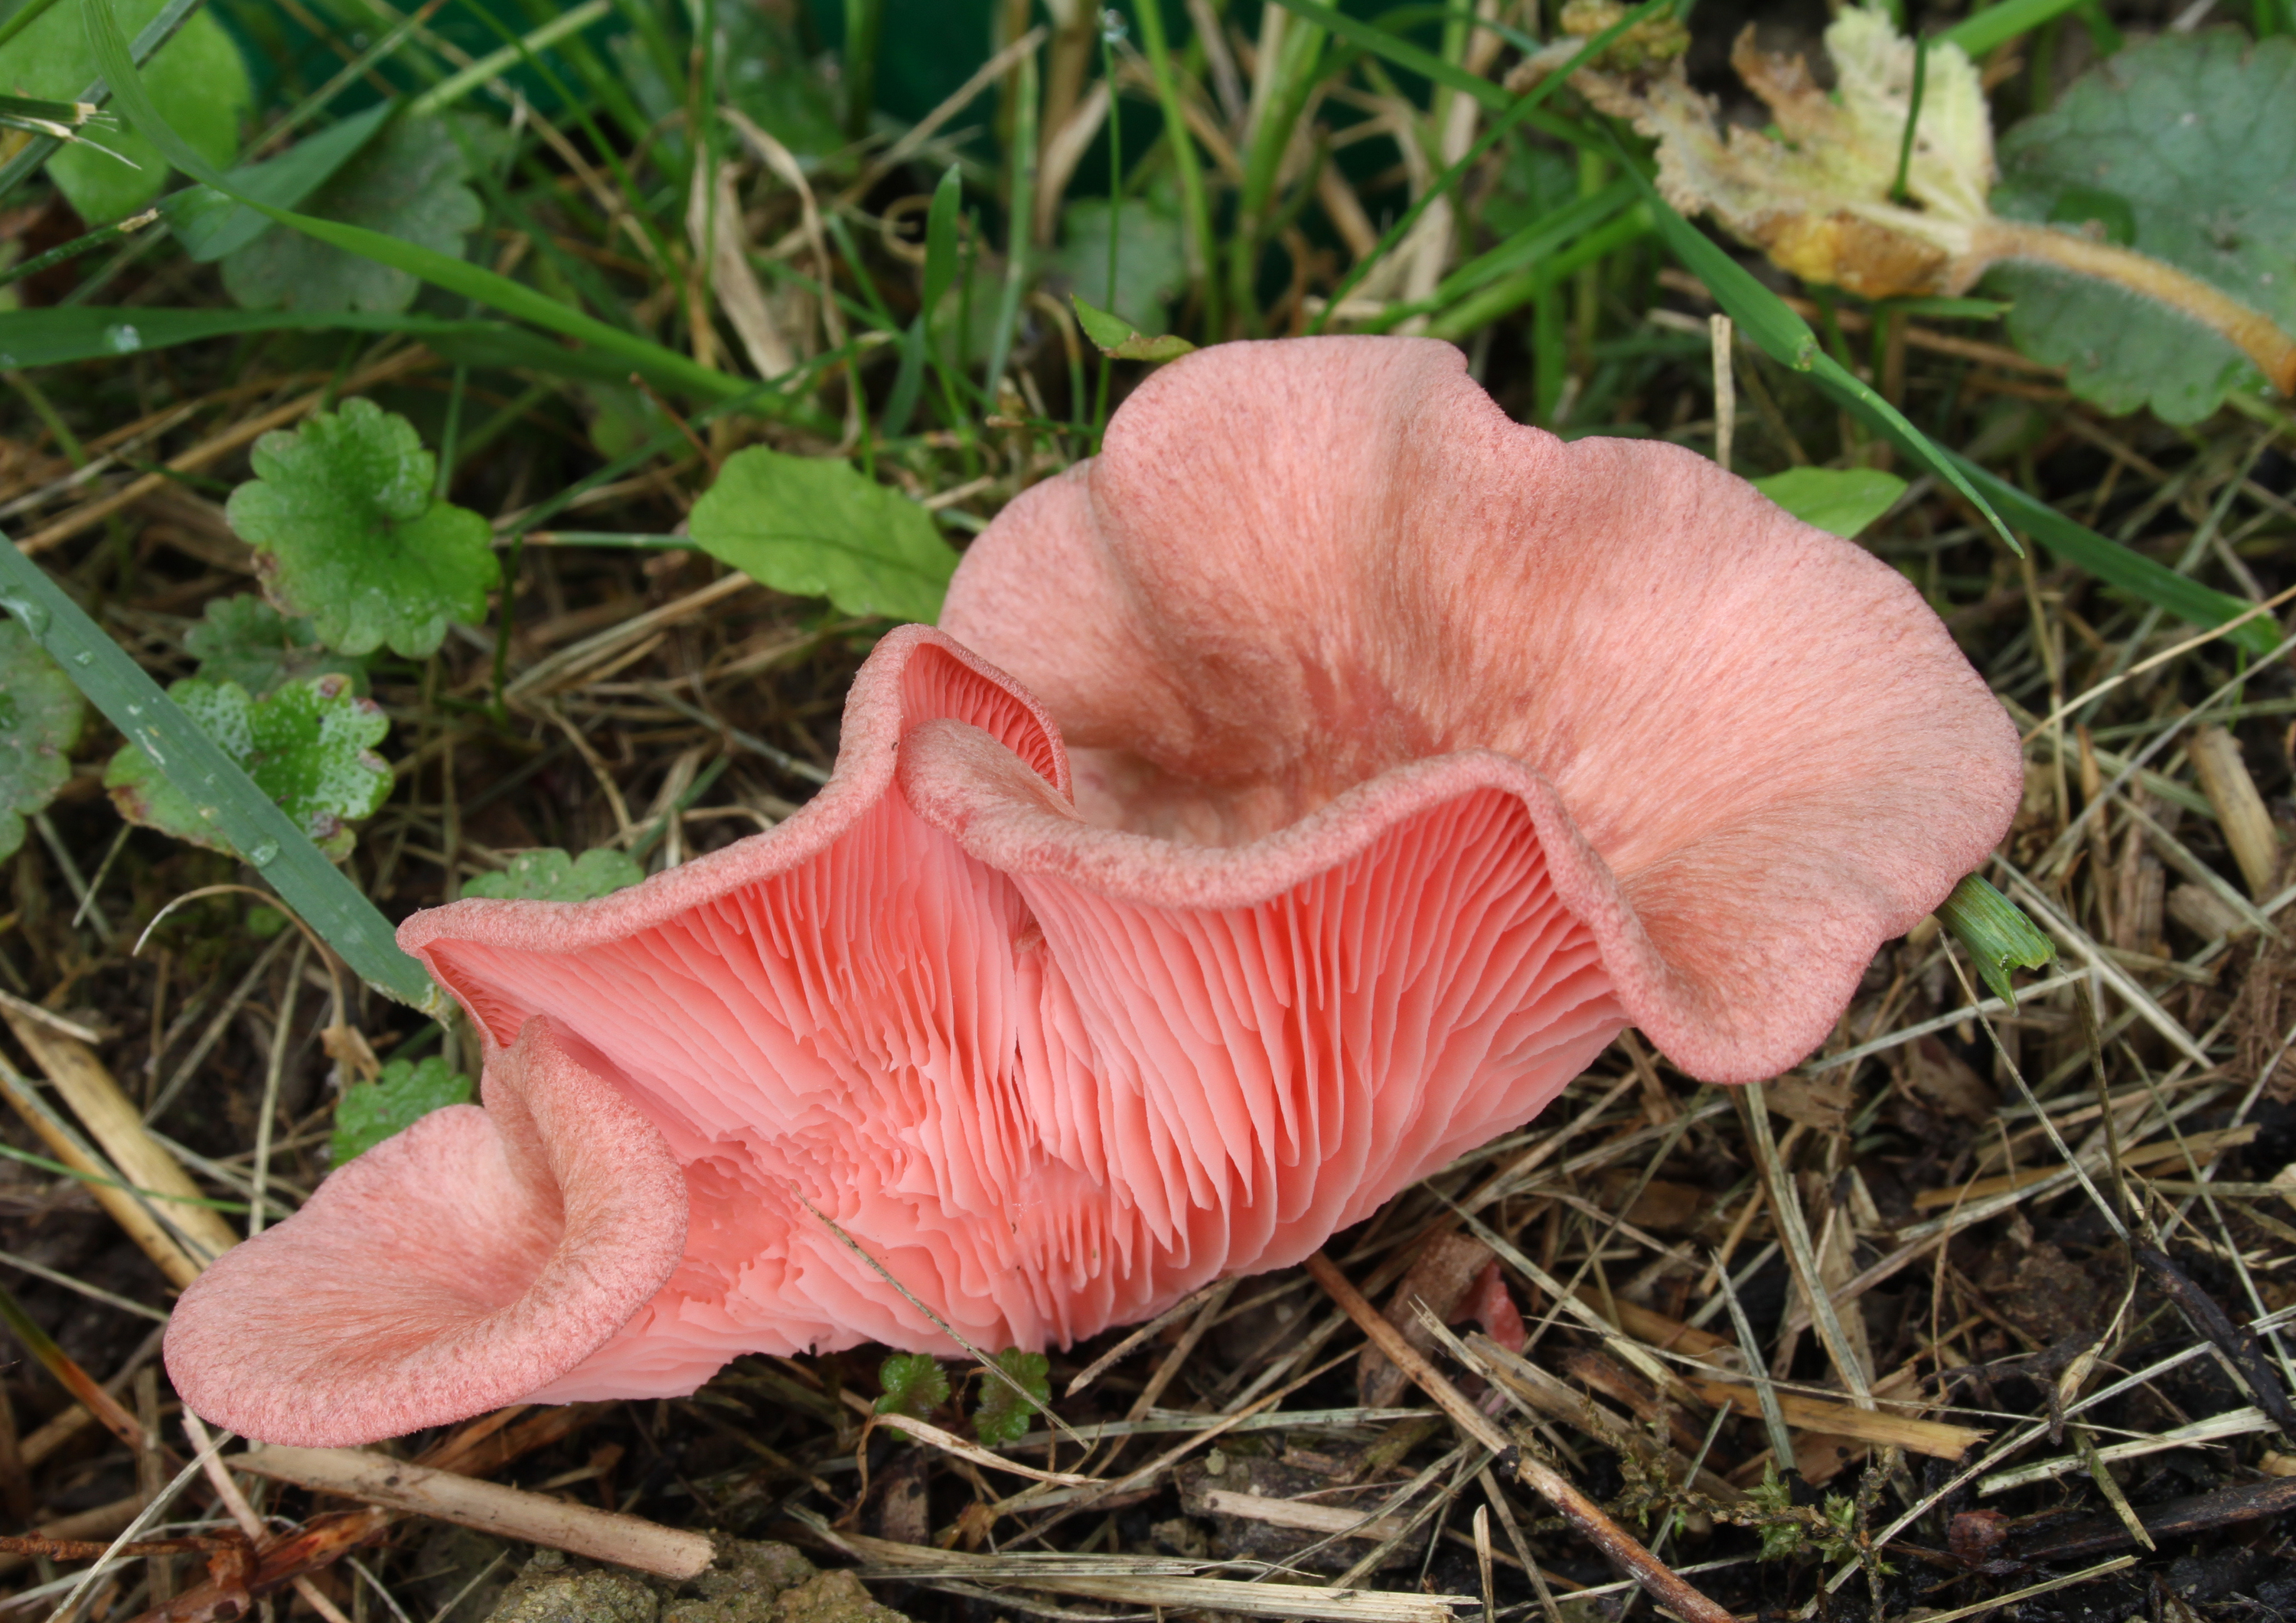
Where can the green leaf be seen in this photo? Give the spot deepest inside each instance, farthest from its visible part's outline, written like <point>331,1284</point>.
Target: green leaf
<point>198,81</point>
<point>1839,501</point>
<point>1005,1413</point>
<point>245,640</point>
<point>1151,262</point>
<point>40,714</point>
<point>309,747</point>
<point>2187,141</point>
<point>1120,339</point>
<point>347,533</point>
<point>210,224</point>
<point>940,236</point>
<point>550,875</point>
<point>234,809</point>
<point>405,1092</point>
<point>914,1385</point>
<point>814,527</point>
<point>406,185</point>
<point>1996,932</point>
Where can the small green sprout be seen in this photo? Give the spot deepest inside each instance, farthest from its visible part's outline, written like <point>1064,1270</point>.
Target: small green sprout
<point>1118,339</point>
<point>914,1384</point>
<point>1998,934</point>
<point>1003,1414</point>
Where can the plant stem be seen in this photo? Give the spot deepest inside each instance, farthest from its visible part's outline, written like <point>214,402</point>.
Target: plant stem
<point>1204,250</point>
<point>2254,333</point>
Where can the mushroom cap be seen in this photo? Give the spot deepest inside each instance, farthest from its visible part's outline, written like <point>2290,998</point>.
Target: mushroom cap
<point>1416,752</point>
<point>1300,565</point>
<point>451,1269</point>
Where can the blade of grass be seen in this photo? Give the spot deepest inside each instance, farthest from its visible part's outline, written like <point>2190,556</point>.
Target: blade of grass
<point>1516,111</point>
<point>58,335</point>
<point>1786,338</point>
<point>2121,566</point>
<point>1020,208</point>
<point>1195,202</point>
<point>1996,25</point>
<point>241,814</point>
<point>440,270</point>
<point>495,63</point>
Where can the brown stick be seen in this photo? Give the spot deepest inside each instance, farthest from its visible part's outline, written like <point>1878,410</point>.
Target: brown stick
<point>117,1126</point>
<point>506,1512</point>
<point>1617,1545</point>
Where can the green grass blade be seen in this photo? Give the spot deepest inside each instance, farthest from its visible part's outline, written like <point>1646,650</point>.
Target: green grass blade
<point>60,334</point>
<point>1996,933</point>
<point>1787,338</point>
<point>1520,110</point>
<point>1195,202</point>
<point>665,366</point>
<point>1981,31</point>
<point>495,64</point>
<point>940,238</point>
<point>210,224</point>
<point>318,891</point>
<point>2124,567</point>
<point>1402,54</point>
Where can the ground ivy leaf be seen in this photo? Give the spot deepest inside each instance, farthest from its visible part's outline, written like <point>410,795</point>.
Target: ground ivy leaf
<point>814,527</point>
<point>1839,501</point>
<point>1152,265</point>
<point>309,747</point>
<point>2187,144</point>
<point>405,1092</point>
<point>40,714</point>
<point>198,81</point>
<point>245,640</point>
<point>1003,1414</point>
<point>348,533</point>
<point>550,875</point>
<point>914,1384</point>
<point>406,182</point>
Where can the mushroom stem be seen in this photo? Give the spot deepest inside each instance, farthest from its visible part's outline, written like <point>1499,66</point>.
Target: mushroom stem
<point>2256,334</point>
<point>1618,1545</point>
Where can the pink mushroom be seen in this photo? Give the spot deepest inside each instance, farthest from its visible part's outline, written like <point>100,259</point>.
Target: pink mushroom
<point>1295,796</point>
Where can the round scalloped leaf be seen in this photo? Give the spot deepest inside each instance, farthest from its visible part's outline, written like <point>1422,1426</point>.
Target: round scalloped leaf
<point>309,747</point>
<point>550,875</point>
<point>405,1092</point>
<point>198,81</point>
<point>40,714</point>
<point>815,526</point>
<point>245,640</point>
<point>407,183</point>
<point>348,535</point>
<point>2182,147</point>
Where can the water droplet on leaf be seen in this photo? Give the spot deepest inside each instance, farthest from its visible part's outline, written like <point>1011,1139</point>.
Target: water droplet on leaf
<point>264,855</point>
